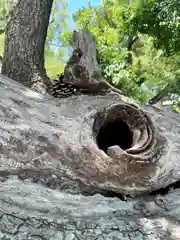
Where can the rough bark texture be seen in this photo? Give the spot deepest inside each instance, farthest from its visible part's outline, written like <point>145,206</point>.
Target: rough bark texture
<point>86,167</point>
<point>82,69</point>
<point>49,157</point>
<point>24,40</point>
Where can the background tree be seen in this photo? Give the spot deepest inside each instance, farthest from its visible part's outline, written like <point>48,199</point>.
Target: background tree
<point>54,50</point>
<point>25,38</point>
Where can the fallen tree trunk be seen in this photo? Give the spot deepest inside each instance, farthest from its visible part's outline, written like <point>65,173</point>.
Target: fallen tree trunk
<point>86,166</point>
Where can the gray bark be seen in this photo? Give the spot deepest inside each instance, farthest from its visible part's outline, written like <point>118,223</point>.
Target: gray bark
<point>50,159</point>
<point>24,40</point>
<point>86,167</point>
<point>82,69</point>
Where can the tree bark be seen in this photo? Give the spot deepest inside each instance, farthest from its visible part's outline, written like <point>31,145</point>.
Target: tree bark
<point>25,39</point>
<point>56,182</point>
<point>86,167</point>
<point>82,69</point>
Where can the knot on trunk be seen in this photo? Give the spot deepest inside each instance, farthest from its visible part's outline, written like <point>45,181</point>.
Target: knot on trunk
<point>123,130</point>
<point>124,151</point>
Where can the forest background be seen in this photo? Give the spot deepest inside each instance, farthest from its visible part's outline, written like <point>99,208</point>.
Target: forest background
<point>138,43</point>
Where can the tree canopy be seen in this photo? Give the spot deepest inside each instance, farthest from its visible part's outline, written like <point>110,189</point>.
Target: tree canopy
<point>54,50</point>
<point>142,66</point>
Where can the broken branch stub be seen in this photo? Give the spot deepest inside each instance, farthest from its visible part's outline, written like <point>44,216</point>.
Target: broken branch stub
<point>82,69</point>
<point>82,65</point>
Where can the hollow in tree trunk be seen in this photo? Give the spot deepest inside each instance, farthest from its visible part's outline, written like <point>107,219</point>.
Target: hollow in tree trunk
<point>94,166</point>
<point>25,39</point>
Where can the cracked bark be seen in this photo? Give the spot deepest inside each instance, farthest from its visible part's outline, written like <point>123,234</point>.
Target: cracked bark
<point>50,159</point>
<point>41,187</point>
<point>31,211</point>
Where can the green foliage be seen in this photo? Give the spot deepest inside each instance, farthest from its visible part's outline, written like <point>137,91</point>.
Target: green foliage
<point>149,65</point>
<point>5,7</point>
<point>125,79</point>
<point>1,44</point>
<point>53,66</point>
<point>54,48</point>
<point>154,56</point>
<point>159,19</point>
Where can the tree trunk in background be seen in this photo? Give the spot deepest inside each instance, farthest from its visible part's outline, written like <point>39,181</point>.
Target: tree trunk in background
<point>25,39</point>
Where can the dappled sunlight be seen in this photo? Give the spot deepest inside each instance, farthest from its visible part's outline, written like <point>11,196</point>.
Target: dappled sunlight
<point>29,93</point>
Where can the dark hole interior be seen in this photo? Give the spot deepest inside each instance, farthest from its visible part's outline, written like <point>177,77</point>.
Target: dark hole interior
<point>114,133</point>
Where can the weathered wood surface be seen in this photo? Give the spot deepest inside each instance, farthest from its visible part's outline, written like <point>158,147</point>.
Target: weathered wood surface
<point>48,154</point>
<point>82,69</point>
<point>56,182</point>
